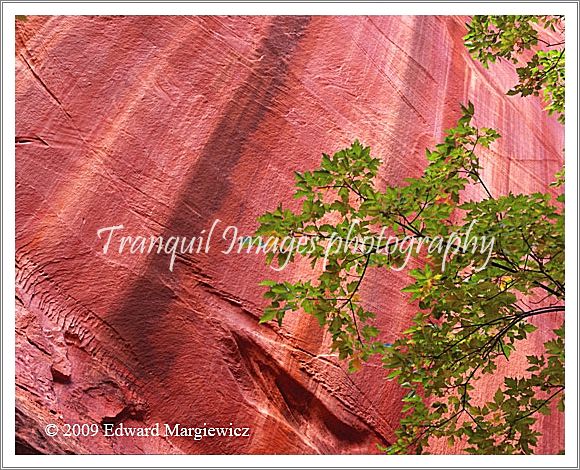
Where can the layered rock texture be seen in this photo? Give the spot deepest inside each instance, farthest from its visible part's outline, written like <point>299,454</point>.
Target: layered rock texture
<point>165,124</point>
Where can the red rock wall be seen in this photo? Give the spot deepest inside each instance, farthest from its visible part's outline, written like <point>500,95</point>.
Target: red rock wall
<point>164,124</point>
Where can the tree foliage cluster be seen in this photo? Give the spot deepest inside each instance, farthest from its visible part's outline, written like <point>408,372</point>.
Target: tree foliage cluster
<point>469,320</point>
<point>493,38</point>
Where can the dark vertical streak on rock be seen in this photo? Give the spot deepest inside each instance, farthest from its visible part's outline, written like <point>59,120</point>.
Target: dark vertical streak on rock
<point>140,317</point>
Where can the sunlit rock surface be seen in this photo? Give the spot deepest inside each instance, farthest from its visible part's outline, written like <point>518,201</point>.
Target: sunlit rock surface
<point>165,124</point>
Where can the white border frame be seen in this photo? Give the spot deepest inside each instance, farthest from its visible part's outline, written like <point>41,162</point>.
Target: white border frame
<point>10,9</point>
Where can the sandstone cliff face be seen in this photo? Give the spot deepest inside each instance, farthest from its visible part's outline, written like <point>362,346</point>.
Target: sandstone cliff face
<point>164,124</point>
